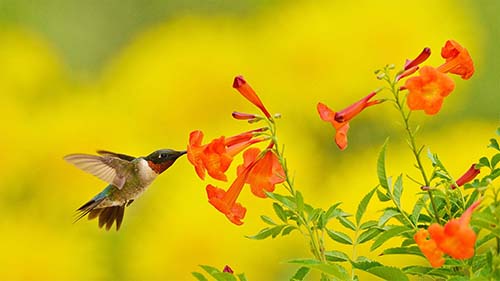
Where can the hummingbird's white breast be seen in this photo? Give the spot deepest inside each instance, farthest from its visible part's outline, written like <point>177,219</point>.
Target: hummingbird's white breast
<point>146,174</point>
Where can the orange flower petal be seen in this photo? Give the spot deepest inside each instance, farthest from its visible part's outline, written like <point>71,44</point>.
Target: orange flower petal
<point>194,152</point>
<point>225,202</point>
<point>245,90</point>
<point>458,60</point>
<point>346,114</point>
<point>429,248</point>
<point>341,136</point>
<point>426,92</point>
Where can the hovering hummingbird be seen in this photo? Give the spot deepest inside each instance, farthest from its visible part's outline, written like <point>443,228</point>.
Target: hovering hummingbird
<point>128,178</point>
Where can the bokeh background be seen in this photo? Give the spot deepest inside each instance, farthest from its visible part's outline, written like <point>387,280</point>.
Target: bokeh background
<point>134,76</point>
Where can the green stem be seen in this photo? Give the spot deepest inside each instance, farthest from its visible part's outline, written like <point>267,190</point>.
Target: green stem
<point>412,143</point>
<point>317,246</point>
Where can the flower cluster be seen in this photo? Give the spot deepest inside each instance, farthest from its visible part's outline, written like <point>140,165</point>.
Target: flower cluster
<point>260,169</point>
<point>456,238</point>
<point>427,91</point>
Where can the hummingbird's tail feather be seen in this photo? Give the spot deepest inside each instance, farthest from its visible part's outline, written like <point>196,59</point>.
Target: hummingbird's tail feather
<point>87,208</point>
<point>109,215</point>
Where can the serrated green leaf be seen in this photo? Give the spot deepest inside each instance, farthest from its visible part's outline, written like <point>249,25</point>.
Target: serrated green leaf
<point>263,234</point>
<point>388,273</point>
<point>300,274</point>
<point>199,276</point>
<point>494,144</point>
<point>285,200</point>
<point>300,201</point>
<point>413,250</point>
<point>484,162</point>
<point>387,215</point>
<point>494,160</point>
<point>334,270</point>
<point>382,178</point>
<point>398,190</point>
<point>280,212</point>
<point>368,235</point>
<point>383,197</point>
<point>363,204</point>
<point>431,271</point>
<point>346,222</point>
<point>267,220</point>
<point>339,237</point>
<point>368,224</point>
<point>336,256</point>
<point>394,231</point>
<point>364,263</point>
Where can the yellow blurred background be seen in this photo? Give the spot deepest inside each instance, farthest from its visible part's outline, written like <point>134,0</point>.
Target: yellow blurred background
<point>136,76</point>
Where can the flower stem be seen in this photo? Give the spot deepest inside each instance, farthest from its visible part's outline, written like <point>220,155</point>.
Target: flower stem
<point>411,136</point>
<point>316,242</point>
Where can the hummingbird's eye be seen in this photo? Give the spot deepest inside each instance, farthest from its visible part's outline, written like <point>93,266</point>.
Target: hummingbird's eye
<point>163,155</point>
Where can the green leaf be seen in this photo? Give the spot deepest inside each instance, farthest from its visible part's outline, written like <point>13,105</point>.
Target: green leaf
<point>364,263</point>
<point>314,215</point>
<point>280,212</point>
<point>383,197</point>
<point>332,212</point>
<point>346,222</point>
<point>300,274</point>
<point>267,220</point>
<point>398,190</point>
<point>199,276</point>
<point>424,270</point>
<point>498,131</point>
<point>288,229</point>
<point>494,144</point>
<point>388,234</point>
<point>413,250</point>
<point>363,204</point>
<point>484,162</point>
<point>210,269</point>
<point>387,215</point>
<point>368,235</point>
<point>368,224</point>
<point>417,209</point>
<point>300,201</point>
<point>339,237</point>
<point>263,234</point>
<point>285,200</point>
<point>388,273</point>
<point>382,178</point>
<point>494,160</point>
<point>334,270</point>
<point>242,277</point>
<point>336,256</point>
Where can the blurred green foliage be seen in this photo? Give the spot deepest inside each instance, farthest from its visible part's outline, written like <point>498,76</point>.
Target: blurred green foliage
<point>135,76</point>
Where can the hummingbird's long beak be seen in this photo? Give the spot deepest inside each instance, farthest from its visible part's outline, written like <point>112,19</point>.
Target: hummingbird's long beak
<point>180,153</point>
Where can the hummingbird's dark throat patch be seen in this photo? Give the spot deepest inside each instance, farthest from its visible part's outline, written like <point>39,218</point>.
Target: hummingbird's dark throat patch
<point>159,168</point>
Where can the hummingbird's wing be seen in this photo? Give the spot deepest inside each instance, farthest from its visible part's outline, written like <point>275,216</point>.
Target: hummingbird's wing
<point>109,168</point>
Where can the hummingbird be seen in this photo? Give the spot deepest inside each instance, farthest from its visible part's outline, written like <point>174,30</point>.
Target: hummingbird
<point>127,176</point>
